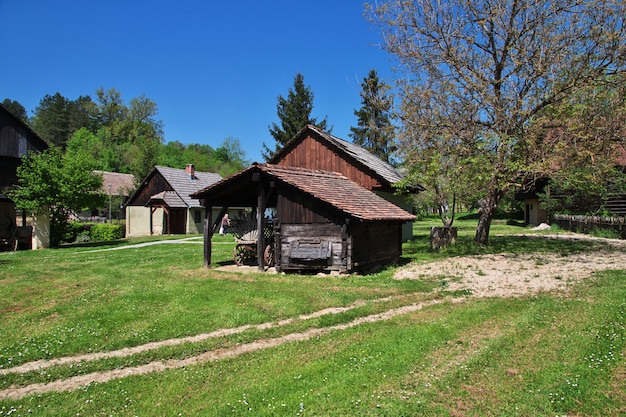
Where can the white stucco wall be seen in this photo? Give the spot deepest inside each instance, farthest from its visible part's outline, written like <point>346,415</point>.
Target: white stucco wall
<point>41,230</point>
<point>192,227</point>
<point>138,221</point>
<point>534,214</point>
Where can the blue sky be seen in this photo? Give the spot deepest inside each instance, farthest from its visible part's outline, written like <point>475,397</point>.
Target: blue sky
<point>215,68</point>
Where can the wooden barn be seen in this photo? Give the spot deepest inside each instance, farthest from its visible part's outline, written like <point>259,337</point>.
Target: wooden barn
<point>313,148</point>
<point>162,203</point>
<point>319,220</point>
<point>17,140</point>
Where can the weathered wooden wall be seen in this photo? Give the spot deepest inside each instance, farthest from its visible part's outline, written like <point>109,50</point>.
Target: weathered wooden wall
<point>316,246</point>
<point>155,184</point>
<point>586,224</point>
<point>313,154</point>
<point>375,243</point>
<point>298,208</point>
<point>16,140</point>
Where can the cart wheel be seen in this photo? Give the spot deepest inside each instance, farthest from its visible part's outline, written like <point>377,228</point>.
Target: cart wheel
<point>269,255</point>
<point>239,254</point>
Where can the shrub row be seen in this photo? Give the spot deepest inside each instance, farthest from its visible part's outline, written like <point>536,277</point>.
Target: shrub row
<point>77,232</point>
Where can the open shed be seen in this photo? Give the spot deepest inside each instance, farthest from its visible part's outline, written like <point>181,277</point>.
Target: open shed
<point>313,148</point>
<point>321,220</point>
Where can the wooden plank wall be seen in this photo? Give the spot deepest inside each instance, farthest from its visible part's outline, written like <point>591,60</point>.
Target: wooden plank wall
<point>156,184</point>
<point>376,243</point>
<point>299,208</point>
<point>313,154</point>
<point>298,244</point>
<point>16,140</point>
<point>8,172</point>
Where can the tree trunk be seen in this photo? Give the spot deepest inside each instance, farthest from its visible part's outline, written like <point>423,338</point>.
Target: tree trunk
<point>487,208</point>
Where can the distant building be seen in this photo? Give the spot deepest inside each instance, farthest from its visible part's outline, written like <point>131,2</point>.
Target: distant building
<point>162,203</point>
<point>117,187</point>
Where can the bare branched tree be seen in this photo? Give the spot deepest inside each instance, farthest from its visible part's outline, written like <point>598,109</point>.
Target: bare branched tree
<point>476,73</point>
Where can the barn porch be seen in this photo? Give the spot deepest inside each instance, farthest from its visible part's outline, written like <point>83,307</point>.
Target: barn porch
<point>322,221</point>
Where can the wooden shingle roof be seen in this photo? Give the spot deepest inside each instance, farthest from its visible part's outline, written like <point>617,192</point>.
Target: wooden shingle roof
<point>331,188</point>
<point>120,184</point>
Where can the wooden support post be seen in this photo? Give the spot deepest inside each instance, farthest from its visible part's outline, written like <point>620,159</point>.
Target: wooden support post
<point>260,217</point>
<point>218,220</point>
<point>152,210</point>
<point>208,234</point>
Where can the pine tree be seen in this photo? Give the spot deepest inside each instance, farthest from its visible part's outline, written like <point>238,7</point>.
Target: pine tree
<point>374,131</point>
<point>294,113</point>
<point>16,109</point>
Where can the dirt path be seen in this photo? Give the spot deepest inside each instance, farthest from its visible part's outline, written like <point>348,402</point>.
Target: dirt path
<point>501,275</point>
<point>83,380</point>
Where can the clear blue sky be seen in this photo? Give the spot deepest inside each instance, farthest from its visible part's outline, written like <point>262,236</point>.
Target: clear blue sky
<point>215,68</point>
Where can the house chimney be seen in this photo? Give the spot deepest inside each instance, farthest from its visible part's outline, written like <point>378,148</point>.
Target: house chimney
<point>191,171</point>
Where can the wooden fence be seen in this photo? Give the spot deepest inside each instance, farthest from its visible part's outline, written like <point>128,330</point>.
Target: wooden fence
<point>585,224</point>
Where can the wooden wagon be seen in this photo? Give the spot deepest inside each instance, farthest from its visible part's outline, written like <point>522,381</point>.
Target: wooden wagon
<point>246,237</point>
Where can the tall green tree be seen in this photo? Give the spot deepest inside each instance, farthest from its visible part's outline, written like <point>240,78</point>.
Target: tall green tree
<point>229,157</point>
<point>131,135</point>
<point>476,74</point>
<point>51,119</point>
<point>374,130</point>
<point>62,183</point>
<point>16,109</point>
<point>294,113</point>
<point>56,117</point>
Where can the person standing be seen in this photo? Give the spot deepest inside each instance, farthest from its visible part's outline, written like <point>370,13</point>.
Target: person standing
<point>225,224</point>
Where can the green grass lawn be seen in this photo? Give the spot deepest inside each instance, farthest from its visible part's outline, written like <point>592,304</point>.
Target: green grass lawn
<point>551,354</point>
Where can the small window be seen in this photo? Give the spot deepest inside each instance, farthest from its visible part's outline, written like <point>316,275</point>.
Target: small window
<point>198,216</point>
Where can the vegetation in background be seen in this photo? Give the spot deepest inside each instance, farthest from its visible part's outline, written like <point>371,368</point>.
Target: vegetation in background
<point>16,109</point>
<point>294,112</point>
<point>580,146</point>
<point>62,184</point>
<point>123,137</point>
<point>374,130</point>
<point>474,75</point>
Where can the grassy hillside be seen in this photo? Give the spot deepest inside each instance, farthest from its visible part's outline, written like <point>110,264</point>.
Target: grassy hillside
<point>303,345</point>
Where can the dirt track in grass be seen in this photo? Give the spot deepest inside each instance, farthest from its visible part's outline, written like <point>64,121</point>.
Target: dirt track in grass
<point>500,275</point>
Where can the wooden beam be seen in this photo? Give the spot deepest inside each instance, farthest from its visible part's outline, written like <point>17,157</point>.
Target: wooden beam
<point>260,216</point>
<point>218,220</point>
<point>208,234</point>
<point>152,210</point>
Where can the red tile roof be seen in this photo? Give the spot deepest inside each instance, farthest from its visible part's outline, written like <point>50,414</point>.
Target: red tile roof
<point>329,187</point>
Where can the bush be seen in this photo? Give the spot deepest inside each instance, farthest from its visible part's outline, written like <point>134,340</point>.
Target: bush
<point>106,232</point>
<point>71,231</point>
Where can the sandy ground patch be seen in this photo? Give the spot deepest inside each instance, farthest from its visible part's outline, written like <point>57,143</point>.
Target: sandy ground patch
<point>515,275</point>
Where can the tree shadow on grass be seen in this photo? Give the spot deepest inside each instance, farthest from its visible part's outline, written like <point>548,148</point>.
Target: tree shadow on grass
<point>419,249</point>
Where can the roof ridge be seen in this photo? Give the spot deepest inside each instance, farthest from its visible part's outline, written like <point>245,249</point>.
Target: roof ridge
<point>291,169</point>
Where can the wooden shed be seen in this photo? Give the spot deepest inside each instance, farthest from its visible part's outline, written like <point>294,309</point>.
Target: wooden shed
<point>321,220</point>
<point>313,148</point>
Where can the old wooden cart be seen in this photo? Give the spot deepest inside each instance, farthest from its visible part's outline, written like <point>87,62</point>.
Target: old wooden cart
<point>246,238</point>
